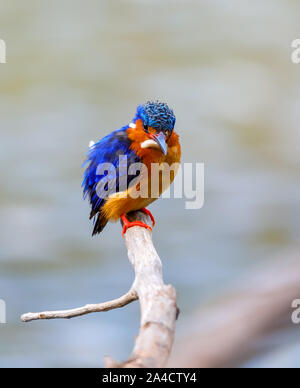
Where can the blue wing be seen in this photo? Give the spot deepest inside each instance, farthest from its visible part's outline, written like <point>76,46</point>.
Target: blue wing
<point>110,150</point>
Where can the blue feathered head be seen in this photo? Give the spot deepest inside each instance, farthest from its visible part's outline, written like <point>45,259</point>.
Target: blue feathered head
<point>157,115</point>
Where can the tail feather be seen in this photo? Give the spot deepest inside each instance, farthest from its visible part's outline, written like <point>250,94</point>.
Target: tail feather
<point>100,224</point>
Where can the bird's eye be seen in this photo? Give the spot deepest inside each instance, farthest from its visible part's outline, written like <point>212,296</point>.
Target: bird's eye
<point>146,127</point>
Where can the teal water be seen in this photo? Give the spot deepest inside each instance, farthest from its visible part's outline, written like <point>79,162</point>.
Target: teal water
<point>74,72</point>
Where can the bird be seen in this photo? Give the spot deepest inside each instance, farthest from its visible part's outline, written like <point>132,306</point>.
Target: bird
<point>148,139</point>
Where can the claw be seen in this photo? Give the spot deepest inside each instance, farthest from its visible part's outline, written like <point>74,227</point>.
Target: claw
<point>146,211</point>
<point>128,224</point>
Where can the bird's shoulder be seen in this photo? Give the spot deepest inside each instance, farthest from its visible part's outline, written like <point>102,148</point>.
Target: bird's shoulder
<point>110,147</point>
<point>106,155</point>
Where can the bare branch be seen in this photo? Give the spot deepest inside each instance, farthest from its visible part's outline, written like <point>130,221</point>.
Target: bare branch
<point>87,309</point>
<point>158,302</point>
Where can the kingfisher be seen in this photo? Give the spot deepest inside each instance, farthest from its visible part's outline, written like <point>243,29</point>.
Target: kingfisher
<point>149,139</point>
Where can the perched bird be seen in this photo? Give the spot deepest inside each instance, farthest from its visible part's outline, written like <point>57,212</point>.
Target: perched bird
<point>150,138</point>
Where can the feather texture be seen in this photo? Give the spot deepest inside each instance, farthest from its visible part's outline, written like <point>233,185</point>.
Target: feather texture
<point>108,153</point>
<point>148,139</point>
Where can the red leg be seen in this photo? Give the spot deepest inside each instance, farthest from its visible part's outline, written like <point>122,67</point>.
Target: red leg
<point>146,211</point>
<point>128,224</point>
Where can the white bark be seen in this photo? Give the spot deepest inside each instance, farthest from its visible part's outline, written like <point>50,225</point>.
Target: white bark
<point>158,302</point>
<point>129,297</point>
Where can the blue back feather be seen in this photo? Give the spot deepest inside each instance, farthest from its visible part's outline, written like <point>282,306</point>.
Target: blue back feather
<point>153,114</point>
<point>107,150</point>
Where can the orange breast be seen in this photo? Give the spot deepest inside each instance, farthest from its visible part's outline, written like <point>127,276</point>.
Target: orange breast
<point>122,203</point>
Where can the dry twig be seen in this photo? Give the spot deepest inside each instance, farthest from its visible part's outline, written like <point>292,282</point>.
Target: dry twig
<point>157,300</point>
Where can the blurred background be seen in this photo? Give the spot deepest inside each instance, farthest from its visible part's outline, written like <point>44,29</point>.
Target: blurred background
<point>75,71</point>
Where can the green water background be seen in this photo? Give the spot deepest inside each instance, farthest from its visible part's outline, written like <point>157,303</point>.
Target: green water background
<point>75,71</point>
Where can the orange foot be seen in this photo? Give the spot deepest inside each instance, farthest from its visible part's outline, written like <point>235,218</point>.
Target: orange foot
<point>146,211</point>
<point>128,224</point>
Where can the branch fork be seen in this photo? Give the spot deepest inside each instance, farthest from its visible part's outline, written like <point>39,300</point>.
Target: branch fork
<point>157,302</point>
